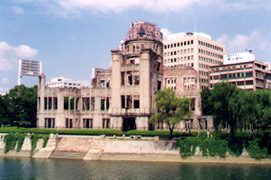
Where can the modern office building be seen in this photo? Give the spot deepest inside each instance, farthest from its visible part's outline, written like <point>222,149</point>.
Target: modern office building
<point>122,97</point>
<point>62,82</point>
<point>243,70</point>
<point>196,50</point>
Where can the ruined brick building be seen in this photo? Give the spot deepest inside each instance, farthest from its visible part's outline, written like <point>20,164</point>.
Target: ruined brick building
<point>123,97</point>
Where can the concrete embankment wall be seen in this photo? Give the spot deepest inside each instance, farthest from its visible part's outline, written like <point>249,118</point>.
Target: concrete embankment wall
<point>26,150</point>
<point>109,148</point>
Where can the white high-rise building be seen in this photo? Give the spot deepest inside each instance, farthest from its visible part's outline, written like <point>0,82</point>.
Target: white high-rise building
<point>197,50</point>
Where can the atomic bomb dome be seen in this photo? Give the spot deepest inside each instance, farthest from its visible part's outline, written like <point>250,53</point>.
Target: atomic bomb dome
<point>145,31</point>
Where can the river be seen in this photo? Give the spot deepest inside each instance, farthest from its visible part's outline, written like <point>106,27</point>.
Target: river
<point>58,169</point>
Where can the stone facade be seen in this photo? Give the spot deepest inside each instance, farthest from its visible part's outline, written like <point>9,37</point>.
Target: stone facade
<point>122,97</point>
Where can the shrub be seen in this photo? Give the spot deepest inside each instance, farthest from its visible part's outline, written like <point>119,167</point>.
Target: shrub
<point>12,139</point>
<point>256,151</point>
<point>36,137</point>
<point>188,146</point>
<point>208,146</point>
<point>237,144</point>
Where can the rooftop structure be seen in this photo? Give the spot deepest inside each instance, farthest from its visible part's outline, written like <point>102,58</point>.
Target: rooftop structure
<point>239,57</point>
<point>61,82</point>
<point>243,70</point>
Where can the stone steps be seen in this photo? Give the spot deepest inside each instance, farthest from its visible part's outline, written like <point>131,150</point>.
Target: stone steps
<point>73,144</point>
<point>67,155</point>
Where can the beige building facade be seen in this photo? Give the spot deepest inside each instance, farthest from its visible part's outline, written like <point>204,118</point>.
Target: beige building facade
<point>196,50</point>
<point>122,97</point>
<point>251,75</point>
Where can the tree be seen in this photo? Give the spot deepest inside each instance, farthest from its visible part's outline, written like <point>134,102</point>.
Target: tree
<point>226,109</point>
<point>249,109</point>
<point>263,108</point>
<point>237,108</point>
<point>171,110</point>
<point>19,106</point>
<point>4,114</point>
<point>207,107</point>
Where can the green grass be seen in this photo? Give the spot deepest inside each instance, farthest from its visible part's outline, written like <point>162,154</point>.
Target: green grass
<point>107,132</point>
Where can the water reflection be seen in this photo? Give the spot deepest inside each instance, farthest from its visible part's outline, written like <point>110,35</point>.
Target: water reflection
<point>39,169</point>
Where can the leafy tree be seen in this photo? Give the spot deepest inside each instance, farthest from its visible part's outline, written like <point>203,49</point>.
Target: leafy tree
<point>249,109</point>
<point>4,114</point>
<point>170,109</point>
<point>236,108</point>
<point>224,98</point>
<point>19,106</point>
<point>263,108</point>
<point>207,107</point>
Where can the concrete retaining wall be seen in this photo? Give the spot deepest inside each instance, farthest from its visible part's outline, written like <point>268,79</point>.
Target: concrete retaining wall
<point>102,148</point>
<point>26,150</point>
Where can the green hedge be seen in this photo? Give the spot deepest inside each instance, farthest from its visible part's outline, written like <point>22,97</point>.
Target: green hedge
<point>256,151</point>
<point>108,132</point>
<point>26,130</point>
<point>208,146</point>
<point>257,148</point>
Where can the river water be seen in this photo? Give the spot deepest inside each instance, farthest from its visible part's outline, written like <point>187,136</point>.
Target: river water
<point>58,169</point>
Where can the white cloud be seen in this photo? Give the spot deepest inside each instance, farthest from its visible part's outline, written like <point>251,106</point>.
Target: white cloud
<point>247,4</point>
<point>17,10</point>
<point>25,51</point>
<point>10,54</point>
<point>4,47</point>
<point>75,8</point>
<point>223,39</point>
<point>239,43</point>
<point>253,41</point>
<point>165,32</point>
<point>5,64</point>
<point>118,6</point>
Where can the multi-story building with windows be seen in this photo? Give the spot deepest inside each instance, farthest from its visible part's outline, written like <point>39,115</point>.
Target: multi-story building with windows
<point>62,82</point>
<point>122,97</point>
<point>243,70</point>
<point>185,80</point>
<point>196,50</point>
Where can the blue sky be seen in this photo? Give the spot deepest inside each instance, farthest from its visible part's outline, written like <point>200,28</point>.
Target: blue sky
<point>71,37</point>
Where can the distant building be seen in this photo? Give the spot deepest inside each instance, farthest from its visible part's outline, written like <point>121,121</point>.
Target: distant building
<point>196,50</point>
<point>122,97</point>
<point>62,82</point>
<point>243,70</point>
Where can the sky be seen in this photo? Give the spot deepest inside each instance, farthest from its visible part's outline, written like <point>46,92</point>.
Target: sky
<point>71,37</point>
